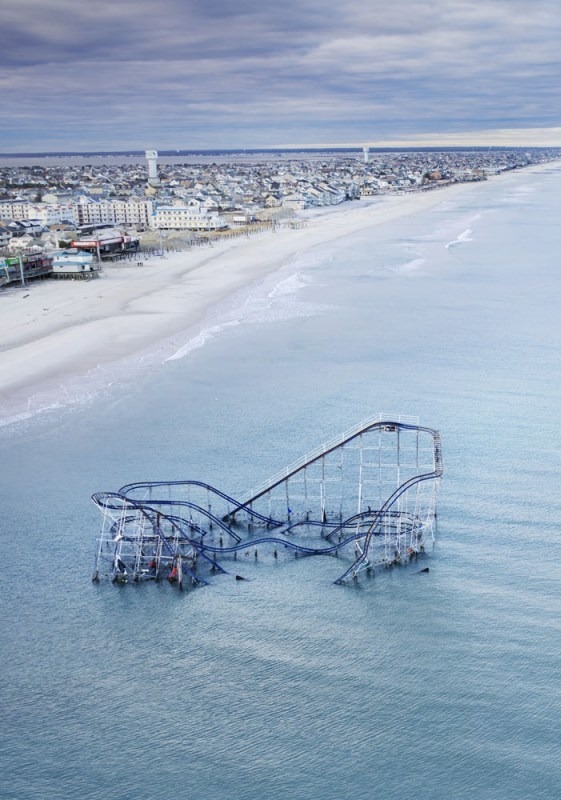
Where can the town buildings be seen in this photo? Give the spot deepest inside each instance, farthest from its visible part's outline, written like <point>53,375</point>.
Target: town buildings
<point>208,193</point>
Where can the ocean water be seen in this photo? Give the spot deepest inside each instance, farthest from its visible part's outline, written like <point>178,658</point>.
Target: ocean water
<point>429,686</point>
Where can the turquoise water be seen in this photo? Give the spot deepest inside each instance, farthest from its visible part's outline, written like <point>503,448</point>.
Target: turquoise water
<point>440,685</point>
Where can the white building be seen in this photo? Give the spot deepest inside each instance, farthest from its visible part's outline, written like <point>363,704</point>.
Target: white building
<point>87,211</point>
<point>152,159</point>
<point>93,212</point>
<point>295,201</point>
<point>135,212</point>
<point>15,209</point>
<point>188,218</point>
<point>73,261</point>
<point>53,214</point>
<point>47,213</point>
<point>21,243</point>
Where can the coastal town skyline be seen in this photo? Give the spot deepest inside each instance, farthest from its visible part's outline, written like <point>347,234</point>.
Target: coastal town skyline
<point>191,76</point>
<point>98,205</point>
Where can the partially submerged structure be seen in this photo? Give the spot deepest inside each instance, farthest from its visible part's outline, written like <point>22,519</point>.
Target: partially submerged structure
<point>368,496</point>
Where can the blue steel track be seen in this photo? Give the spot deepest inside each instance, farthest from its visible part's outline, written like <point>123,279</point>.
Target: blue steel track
<point>152,531</point>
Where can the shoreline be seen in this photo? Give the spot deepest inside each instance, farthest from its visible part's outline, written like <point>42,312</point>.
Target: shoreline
<point>52,333</point>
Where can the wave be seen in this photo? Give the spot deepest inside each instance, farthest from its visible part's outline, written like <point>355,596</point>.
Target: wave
<point>52,395</point>
<point>466,236</point>
<point>518,194</point>
<point>409,266</point>
<point>290,285</point>
<point>200,340</point>
<point>272,300</point>
<point>262,304</point>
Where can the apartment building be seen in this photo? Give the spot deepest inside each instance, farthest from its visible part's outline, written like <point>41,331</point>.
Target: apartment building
<point>133,212</point>
<point>192,217</point>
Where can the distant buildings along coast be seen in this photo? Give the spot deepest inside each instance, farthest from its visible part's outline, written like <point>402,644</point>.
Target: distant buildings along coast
<point>47,208</point>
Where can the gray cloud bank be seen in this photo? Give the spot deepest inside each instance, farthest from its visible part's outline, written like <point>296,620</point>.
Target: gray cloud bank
<point>194,74</point>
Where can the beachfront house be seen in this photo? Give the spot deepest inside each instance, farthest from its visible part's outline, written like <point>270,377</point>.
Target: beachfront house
<point>295,201</point>
<point>73,262</point>
<point>21,243</point>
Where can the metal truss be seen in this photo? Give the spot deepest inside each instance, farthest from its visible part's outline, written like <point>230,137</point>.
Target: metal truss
<point>368,496</point>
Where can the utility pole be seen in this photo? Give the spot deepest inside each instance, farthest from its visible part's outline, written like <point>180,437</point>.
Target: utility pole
<point>21,270</point>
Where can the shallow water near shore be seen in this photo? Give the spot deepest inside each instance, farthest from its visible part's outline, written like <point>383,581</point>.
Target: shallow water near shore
<point>436,685</point>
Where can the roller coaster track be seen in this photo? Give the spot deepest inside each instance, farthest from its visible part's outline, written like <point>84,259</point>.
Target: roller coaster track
<point>149,486</point>
<point>368,425</point>
<point>154,529</point>
<point>374,527</point>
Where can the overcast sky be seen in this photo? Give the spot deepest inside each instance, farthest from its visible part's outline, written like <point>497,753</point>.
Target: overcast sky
<point>103,74</point>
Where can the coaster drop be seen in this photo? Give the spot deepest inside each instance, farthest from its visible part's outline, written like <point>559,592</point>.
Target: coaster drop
<point>368,497</point>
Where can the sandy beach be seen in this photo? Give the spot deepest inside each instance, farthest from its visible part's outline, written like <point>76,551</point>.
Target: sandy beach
<point>55,330</point>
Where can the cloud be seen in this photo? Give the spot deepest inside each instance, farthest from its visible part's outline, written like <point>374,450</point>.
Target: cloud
<point>240,74</point>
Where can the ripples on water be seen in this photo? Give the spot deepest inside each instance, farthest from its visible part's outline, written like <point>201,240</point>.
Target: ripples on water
<point>438,685</point>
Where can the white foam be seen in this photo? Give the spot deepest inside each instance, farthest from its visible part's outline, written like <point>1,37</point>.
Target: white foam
<point>516,194</point>
<point>446,227</point>
<point>408,267</point>
<point>466,236</point>
<point>200,340</point>
<point>54,396</point>
<point>290,285</point>
<point>272,300</point>
<point>261,304</point>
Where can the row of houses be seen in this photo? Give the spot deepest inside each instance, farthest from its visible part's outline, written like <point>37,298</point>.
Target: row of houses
<point>196,205</point>
<point>193,196</point>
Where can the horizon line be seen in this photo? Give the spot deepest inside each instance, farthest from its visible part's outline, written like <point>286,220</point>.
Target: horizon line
<point>284,148</point>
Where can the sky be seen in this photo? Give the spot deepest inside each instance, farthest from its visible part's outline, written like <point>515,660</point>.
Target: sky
<point>86,75</point>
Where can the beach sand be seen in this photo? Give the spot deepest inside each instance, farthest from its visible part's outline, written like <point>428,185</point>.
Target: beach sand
<point>56,330</point>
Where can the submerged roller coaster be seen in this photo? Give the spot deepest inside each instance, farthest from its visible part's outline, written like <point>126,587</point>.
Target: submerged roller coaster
<point>368,496</point>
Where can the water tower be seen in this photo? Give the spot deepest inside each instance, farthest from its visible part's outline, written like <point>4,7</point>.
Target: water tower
<point>152,159</point>
<point>365,152</point>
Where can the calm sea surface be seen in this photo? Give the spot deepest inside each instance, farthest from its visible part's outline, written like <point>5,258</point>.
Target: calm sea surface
<point>444,685</point>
